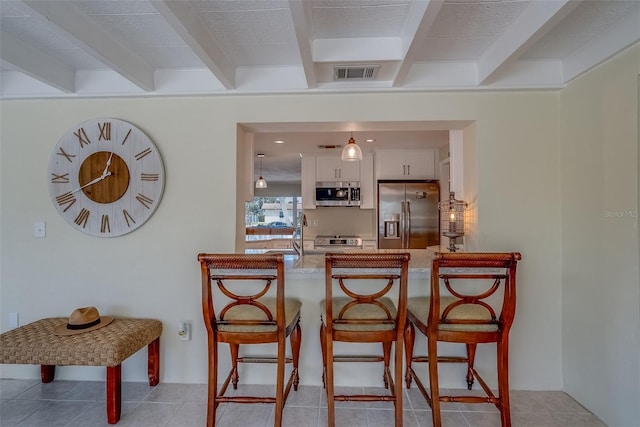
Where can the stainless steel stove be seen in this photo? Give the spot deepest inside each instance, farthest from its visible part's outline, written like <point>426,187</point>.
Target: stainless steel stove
<point>338,242</point>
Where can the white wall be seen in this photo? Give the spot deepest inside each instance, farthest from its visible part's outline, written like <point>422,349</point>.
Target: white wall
<point>153,271</point>
<point>601,282</point>
<point>547,174</point>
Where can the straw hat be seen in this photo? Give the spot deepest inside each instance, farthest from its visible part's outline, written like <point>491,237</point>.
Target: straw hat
<point>83,319</point>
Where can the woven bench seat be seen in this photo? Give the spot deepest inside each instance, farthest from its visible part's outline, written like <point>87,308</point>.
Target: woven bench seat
<point>36,344</point>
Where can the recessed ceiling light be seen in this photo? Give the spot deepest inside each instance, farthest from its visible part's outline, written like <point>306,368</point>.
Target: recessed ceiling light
<point>369,140</point>
<point>279,141</point>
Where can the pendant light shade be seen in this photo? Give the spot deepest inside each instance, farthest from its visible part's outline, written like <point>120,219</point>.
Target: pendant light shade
<point>261,183</point>
<point>351,151</point>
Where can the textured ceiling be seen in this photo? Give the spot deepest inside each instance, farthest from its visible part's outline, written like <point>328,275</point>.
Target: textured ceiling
<point>93,48</point>
<point>133,47</point>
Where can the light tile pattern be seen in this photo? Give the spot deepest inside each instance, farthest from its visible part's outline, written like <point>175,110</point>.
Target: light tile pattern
<point>81,404</point>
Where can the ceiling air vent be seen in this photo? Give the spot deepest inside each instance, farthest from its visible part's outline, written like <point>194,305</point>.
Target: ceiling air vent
<point>355,72</point>
<point>329,147</point>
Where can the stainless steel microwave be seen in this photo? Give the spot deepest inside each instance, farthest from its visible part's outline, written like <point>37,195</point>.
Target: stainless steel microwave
<point>338,193</point>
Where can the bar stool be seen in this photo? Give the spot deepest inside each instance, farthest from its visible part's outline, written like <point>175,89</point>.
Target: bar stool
<point>247,316</point>
<point>464,316</point>
<point>364,311</point>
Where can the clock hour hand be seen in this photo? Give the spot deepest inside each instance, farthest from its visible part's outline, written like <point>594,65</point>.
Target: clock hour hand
<point>98,179</point>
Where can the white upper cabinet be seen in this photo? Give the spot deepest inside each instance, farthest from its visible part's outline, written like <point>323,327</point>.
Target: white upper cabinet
<point>367,191</point>
<point>335,169</point>
<point>347,171</point>
<point>308,182</point>
<point>405,164</point>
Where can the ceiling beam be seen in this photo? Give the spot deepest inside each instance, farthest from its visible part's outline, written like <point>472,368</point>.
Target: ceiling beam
<point>186,21</point>
<point>537,19</point>
<point>415,33</point>
<point>37,64</point>
<point>301,15</point>
<point>94,40</point>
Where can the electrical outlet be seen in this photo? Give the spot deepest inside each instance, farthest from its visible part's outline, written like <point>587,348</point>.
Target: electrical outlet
<point>184,330</point>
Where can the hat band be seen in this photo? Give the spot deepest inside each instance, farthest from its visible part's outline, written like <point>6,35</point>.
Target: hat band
<point>83,326</point>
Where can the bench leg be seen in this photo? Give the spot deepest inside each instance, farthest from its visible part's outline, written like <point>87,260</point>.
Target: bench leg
<point>114,393</point>
<point>153,369</point>
<point>47,372</point>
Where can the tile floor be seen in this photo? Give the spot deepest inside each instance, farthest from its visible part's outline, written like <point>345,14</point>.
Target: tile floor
<point>81,404</point>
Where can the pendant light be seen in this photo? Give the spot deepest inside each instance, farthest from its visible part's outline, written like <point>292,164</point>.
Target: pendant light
<point>261,183</point>
<point>351,151</point>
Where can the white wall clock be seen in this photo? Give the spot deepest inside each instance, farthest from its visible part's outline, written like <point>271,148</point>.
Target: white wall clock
<point>106,177</point>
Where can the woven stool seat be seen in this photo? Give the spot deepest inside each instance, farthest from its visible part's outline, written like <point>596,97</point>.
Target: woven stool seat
<point>36,344</point>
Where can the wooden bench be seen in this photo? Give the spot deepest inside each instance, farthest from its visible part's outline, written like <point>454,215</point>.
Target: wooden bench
<point>36,344</point>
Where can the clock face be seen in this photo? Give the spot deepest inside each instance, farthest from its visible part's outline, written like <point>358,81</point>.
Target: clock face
<point>106,177</point>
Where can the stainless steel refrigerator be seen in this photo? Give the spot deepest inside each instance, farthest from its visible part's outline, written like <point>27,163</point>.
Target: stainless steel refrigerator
<point>408,216</point>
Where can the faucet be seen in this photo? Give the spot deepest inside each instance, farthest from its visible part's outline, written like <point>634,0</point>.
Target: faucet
<point>299,247</point>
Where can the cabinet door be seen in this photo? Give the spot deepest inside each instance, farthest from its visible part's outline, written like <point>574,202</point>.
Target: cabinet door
<point>349,171</point>
<point>369,245</point>
<point>421,164</point>
<point>308,182</point>
<point>391,165</point>
<point>327,168</point>
<point>334,169</point>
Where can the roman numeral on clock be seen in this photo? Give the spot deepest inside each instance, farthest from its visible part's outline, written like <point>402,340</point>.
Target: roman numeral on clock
<point>126,136</point>
<point>105,131</point>
<point>149,176</point>
<point>83,139</point>
<point>66,199</point>
<point>66,155</point>
<point>60,179</point>
<point>128,218</point>
<point>146,202</point>
<point>82,218</point>
<point>104,226</point>
<point>142,153</point>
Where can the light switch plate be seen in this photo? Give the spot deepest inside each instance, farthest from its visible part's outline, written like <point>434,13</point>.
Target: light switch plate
<point>14,321</point>
<point>40,229</point>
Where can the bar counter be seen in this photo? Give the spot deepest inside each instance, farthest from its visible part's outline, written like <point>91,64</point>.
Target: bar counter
<point>313,264</point>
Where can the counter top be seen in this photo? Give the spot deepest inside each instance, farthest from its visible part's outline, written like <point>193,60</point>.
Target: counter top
<point>313,264</point>
<point>420,260</point>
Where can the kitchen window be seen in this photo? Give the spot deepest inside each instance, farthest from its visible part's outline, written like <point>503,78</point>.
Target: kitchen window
<point>278,215</point>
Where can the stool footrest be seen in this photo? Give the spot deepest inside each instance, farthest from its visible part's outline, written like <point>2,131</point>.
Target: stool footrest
<point>364,398</point>
<point>262,359</point>
<point>358,358</point>
<point>441,359</point>
<point>245,399</point>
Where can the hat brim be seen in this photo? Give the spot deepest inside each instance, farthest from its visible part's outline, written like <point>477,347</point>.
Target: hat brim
<point>63,331</point>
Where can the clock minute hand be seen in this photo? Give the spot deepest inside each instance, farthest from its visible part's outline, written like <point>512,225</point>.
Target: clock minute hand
<point>98,179</point>
<point>106,168</point>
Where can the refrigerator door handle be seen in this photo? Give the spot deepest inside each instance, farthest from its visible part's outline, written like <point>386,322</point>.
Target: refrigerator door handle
<point>408,225</point>
<point>403,226</point>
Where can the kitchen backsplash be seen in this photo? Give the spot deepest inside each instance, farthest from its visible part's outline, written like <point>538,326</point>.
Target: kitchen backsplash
<point>345,221</point>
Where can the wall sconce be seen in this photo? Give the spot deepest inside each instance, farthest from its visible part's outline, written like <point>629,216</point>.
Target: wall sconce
<point>452,219</point>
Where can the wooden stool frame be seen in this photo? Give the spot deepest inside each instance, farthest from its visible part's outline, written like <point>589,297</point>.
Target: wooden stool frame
<point>222,270</point>
<point>387,271</point>
<point>499,269</point>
